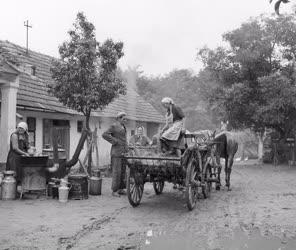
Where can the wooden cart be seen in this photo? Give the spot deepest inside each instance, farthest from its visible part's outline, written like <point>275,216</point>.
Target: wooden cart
<point>194,171</point>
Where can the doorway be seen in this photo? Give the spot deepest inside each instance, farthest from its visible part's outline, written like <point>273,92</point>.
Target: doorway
<point>63,130</point>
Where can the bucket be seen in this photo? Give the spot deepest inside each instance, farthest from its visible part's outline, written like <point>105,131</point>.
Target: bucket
<point>95,186</point>
<point>79,189</point>
<point>63,194</point>
<point>50,186</point>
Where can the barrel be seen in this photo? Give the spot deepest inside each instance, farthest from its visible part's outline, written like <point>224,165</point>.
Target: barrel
<point>49,188</point>
<point>79,186</point>
<point>96,173</point>
<point>95,187</point>
<point>55,191</point>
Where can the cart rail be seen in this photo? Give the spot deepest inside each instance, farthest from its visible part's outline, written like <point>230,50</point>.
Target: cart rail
<point>156,158</point>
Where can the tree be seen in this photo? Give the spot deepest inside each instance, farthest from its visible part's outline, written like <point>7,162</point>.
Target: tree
<point>86,77</point>
<point>182,86</point>
<point>251,81</point>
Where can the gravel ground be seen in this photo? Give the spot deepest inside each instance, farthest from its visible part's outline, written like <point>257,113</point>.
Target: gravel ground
<point>259,211</point>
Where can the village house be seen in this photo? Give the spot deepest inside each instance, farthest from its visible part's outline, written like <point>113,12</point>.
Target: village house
<point>24,96</point>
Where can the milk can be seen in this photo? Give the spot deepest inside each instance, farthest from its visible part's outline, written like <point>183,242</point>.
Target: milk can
<point>8,190</point>
<point>63,191</point>
<point>1,179</point>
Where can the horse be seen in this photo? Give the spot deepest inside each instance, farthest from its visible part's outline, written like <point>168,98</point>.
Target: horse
<point>225,147</point>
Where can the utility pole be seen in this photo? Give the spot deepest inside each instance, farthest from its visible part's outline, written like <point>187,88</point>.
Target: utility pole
<point>26,24</point>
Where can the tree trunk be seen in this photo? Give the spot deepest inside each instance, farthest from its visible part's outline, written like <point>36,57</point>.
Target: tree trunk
<point>261,138</point>
<point>243,151</point>
<point>96,147</point>
<point>89,162</point>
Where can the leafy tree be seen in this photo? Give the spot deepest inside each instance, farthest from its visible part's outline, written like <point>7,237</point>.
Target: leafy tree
<point>278,107</point>
<point>183,87</point>
<point>251,81</point>
<point>86,76</point>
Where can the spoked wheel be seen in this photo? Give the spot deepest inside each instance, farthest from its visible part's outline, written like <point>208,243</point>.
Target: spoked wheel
<point>158,187</point>
<point>207,188</point>
<point>191,184</point>
<point>134,187</point>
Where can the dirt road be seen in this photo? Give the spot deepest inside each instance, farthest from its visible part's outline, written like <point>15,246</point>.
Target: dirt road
<point>260,209</point>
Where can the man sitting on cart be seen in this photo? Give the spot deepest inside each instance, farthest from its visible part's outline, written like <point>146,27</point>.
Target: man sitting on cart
<point>170,133</point>
<point>139,139</point>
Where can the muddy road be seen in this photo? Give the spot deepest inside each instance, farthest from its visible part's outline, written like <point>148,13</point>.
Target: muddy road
<point>259,211</point>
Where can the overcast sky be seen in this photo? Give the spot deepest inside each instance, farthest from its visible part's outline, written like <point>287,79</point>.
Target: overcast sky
<point>159,35</point>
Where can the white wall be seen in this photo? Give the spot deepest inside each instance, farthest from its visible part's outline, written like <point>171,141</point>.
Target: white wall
<point>102,125</point>
<point>104,147</point>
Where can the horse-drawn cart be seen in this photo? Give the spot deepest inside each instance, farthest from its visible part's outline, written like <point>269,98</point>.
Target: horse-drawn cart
<point>194,171</point>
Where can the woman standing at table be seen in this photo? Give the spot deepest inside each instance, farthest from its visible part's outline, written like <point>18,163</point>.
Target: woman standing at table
<point>19,145</point>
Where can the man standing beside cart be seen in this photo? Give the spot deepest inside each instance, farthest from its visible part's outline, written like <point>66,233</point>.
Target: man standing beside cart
<point>116,135</point>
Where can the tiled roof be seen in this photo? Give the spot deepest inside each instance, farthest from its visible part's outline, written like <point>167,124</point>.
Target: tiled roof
<point>33,91</point>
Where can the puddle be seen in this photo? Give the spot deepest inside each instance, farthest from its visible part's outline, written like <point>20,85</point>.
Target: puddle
<point>239,240</point>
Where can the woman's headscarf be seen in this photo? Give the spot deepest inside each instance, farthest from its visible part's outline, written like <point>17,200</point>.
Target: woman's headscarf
<point>167,100</point>
<point>23,125</point>
<point>120,114</point>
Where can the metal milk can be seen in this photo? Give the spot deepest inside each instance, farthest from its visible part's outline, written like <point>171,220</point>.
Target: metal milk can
<point>8,190</point>
<point>63,191</point>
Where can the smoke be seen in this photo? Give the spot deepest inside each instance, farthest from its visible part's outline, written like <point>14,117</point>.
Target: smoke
<point>131,76</point>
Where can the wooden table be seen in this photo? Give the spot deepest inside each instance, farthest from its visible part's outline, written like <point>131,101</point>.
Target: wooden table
<point>33,174</point>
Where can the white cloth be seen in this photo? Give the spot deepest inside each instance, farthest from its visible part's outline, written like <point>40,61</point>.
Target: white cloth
<point>174,130</point>
<point>167,100</point>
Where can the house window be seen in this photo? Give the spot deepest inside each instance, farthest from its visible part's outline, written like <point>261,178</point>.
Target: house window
<point>33,70</point>
<point>132,132</point>
<point>79,126</point>
<point>31,121</point>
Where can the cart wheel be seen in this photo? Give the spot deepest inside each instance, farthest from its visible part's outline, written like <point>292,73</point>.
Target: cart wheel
<point>191,184</point>
<point>134,187</point>
<point>207,188</point>
<point>158,187</point>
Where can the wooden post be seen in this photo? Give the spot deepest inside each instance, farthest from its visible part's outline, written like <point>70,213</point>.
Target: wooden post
<point>294,148</point>
<point>55,146</point>
<point>89,160</point>
<point>96,146</point>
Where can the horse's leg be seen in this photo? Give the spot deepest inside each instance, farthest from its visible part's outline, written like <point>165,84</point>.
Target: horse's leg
<point>230,163</point>
<point>226,171</point>
<point>218,184</point>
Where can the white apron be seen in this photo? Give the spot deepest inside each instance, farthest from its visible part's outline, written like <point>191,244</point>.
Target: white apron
<point>174,130</point>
